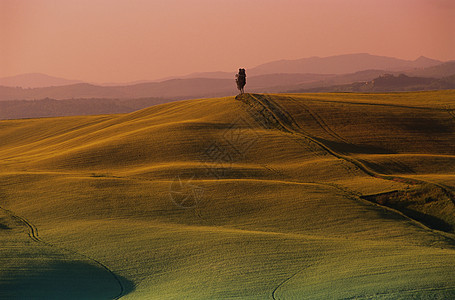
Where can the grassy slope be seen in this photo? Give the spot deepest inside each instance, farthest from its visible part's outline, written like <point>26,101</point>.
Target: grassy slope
<point>276,215</point>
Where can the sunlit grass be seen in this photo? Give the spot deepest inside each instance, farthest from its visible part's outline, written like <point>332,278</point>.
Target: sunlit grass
<point>209,199</point>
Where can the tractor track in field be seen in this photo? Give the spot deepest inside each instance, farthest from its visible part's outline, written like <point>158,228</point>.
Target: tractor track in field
<point>274,297</point>
<point>319,120</point>
<point>321,123</point>
<point>34,236</point>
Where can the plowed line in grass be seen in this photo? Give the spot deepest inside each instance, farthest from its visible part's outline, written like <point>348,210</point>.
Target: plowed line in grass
<point>319,120</point>
<point>286,281</point>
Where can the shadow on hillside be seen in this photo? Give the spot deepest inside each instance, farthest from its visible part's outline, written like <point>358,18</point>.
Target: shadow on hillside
<point>388,167</point>
<point>417,204</point>
<point>62,280</point>
<point>430,221</point>
<point>4,226</point>
<point>347,148</point>
<point>5,222</point>
<point>427,126</point>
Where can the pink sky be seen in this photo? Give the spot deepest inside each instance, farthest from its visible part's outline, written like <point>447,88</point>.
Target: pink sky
<point>127,40</point>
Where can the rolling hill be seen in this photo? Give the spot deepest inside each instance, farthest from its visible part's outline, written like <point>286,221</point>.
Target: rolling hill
<point>278,196</point>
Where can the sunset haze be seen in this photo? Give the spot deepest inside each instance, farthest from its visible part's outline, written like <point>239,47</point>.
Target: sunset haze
<point>122,41</point>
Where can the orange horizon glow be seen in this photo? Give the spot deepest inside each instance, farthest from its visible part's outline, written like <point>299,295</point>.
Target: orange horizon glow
<point>128,40</point>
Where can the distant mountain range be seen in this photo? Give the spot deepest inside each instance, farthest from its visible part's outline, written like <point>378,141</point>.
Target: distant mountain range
<point>327,84</point>
<point>342,64</point>
<point>336,73</point>
<point>389,83</point>
<point>334,65</point>
<point>175,89</point>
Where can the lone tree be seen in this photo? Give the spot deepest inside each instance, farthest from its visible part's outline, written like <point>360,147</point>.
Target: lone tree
<point>240,79</point>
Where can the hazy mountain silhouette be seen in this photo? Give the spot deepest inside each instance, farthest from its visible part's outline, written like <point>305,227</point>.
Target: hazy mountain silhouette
<point>35,80</point>
<point>211,87</point>
<point>388,83</point>
<point>318,66</point>
<point>333,65</point>
<point>342,64</point>
<point>90,99</point>
<point>438,71</point>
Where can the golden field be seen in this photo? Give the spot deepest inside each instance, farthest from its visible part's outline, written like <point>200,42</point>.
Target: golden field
<point>280,196</point>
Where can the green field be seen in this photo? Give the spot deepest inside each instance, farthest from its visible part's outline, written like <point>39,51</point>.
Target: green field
<point>286,196</point>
